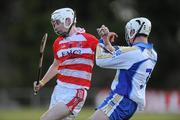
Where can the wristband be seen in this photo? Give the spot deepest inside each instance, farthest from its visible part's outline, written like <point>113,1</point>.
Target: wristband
<point>41,83</point>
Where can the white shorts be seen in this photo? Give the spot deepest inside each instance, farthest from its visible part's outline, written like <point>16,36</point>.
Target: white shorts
<point>73,98</point>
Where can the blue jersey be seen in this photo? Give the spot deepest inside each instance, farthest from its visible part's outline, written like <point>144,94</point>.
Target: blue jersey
<point>134,66</point>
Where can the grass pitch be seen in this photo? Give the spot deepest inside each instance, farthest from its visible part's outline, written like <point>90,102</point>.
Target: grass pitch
<point>35,113</point>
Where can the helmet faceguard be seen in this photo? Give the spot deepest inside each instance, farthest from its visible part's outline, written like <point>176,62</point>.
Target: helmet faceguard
<point>136,27</point>
<point>61,15</point>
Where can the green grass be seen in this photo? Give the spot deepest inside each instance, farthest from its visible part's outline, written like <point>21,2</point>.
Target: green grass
<point>21,114</point>
<point>156,116</point>
<point>34,114</point>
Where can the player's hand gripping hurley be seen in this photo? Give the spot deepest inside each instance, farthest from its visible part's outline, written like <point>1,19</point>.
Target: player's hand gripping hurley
<point>42,47</point>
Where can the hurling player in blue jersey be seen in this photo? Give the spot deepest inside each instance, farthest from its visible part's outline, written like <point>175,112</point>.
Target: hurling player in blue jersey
<point>134,65</point>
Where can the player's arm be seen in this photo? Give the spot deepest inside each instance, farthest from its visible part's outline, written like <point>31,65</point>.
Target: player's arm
<point>107,37</point>
<point>108,56</point>
<point>104,57</point>
<point>120,58</point>
<point>52,71</point>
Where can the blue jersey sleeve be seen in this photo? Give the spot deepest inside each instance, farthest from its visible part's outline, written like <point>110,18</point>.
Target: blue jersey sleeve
<point>120,58</point>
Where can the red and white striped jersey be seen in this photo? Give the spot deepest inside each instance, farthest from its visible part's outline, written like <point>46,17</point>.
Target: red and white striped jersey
<point>76,56</point>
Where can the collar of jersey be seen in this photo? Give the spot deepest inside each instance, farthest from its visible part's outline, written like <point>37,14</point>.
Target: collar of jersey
<point>144,45</point>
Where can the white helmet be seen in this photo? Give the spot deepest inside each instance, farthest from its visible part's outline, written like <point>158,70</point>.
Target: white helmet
<point>62,14</point>
<point>137,26</point>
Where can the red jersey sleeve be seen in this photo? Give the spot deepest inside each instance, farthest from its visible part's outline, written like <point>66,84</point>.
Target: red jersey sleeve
<point>56,47</point>
<point>92,40</point>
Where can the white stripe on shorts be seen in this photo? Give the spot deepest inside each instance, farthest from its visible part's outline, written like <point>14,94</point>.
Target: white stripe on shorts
<point>108,108</point>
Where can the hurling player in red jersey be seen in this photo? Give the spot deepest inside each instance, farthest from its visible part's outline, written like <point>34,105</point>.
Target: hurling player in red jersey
<point>73,62</point>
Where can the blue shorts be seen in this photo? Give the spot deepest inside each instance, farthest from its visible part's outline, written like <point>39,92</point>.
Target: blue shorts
<point>117,107</point>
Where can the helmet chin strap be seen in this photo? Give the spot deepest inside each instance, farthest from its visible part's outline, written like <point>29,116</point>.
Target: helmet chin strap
<point>66,34</point>
<point>137,33</point>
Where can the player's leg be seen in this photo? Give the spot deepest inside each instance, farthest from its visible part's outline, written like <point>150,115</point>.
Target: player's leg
<point>58,112</point>
<point>76,103</point>
<point>65,103</point>
<point>99,115</point>
<point>116,107</point>
<point>57,108</point>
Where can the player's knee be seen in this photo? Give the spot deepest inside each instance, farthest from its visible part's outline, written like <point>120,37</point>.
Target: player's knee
<point>43,117</point>
<point>99,115</point>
